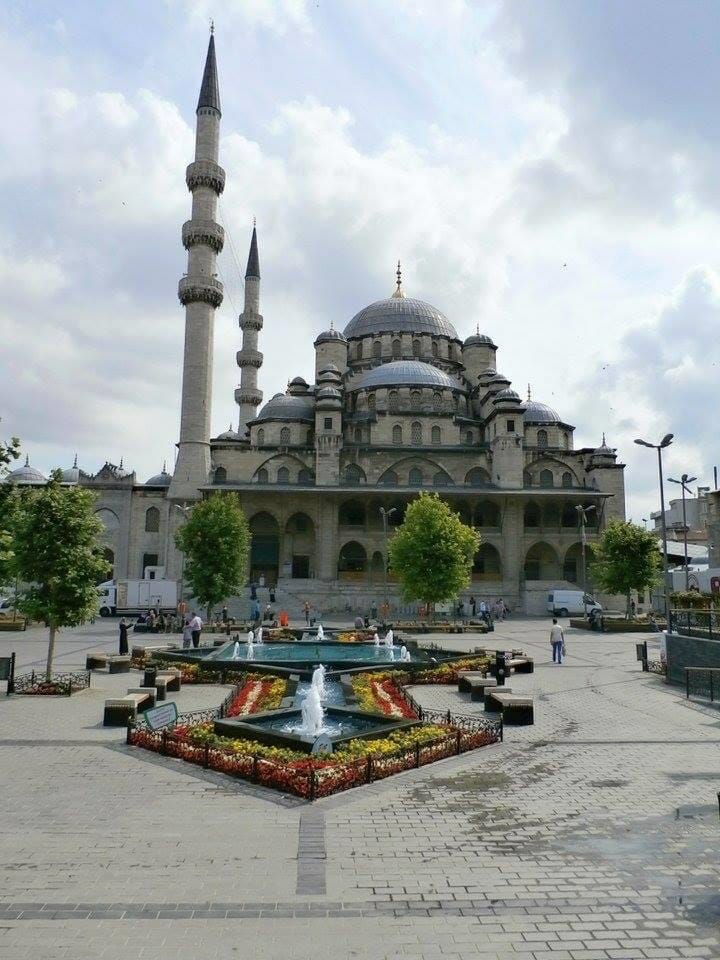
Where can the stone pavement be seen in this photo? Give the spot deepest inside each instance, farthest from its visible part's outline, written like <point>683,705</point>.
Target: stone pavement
<point>590,836</point>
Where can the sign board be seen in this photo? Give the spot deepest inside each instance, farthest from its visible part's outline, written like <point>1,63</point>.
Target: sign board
<point>6,670</point>
<point>322,744</point>
<point>162,716</point>
<point>443,608</point>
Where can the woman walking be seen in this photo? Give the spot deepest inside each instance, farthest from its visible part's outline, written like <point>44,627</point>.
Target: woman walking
<point>124,627</point>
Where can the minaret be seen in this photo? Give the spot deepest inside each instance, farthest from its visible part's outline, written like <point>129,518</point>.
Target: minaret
<point>249,358</point>
<point>200,292</point>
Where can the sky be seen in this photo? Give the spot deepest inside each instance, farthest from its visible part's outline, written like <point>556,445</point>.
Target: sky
<point>547,171</point>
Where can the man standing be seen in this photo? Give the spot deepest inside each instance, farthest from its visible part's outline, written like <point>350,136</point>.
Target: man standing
<point>473,606</point>
<point>196,626</point>
<point>306,611</point>
<point>557,640</point>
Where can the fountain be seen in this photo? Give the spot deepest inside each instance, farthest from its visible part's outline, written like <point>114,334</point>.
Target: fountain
<point>320,633</point>
<point>389,637</point>
<point>404,654</point>
<point>318,681</point>
<point>236,651</point>
<point>312,712</point>
<point>250,638</point>
<point>259,635</point>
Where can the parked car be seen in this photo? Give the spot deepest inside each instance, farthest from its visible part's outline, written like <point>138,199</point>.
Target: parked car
<point>568,603</point>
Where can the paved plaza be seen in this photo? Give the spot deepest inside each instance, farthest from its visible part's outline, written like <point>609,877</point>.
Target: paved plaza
<point>592,835</point>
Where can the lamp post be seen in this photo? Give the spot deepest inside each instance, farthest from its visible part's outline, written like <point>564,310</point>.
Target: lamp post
<point>665,442</point>
<point>644,520</point>
<point>683,482</point>
<point>582,519</point>
<point>185,511</point>
<point>385,514</point>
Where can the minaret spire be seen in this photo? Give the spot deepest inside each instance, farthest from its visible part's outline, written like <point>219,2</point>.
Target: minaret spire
<point>200,292</point>
<point>398,292</point>
<point>249,358</point>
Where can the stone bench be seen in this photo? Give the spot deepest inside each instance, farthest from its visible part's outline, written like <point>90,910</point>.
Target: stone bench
<point>464,678</point>
<point>479,686</point>
<point>149,692</point>
<point>96,661</point>
<point>489,693</point>
<point>115,663</point>
<point>515,708</point>
<point>119,710</point>
<point>172,677</point>
<point>521,665</point>
<point>119,664</point>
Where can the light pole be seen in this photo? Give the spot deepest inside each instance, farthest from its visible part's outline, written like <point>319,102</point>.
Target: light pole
<point>185,511</point>
<point>684,481</point>
<point>385,514</point>
<point>582,519</point>
<point>665,442</point>
<point>644,520</point>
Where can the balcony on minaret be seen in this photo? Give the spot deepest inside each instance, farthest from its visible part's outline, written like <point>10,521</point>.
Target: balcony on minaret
<point>203,231</point>
<point>249,358</point>
<point>205,173</point>
<point>250,395</point>
<point>200,290</point>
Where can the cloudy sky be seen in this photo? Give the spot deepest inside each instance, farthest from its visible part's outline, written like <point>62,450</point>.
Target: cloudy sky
<point>547,170</point>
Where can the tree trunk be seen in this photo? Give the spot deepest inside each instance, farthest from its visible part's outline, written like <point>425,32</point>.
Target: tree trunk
<point>209,611</point>
<point>627,606</point>
<point>50,653</point>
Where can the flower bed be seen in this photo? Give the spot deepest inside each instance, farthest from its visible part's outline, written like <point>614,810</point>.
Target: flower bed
<point>355,636</point>
<point>381,693</point>
<point>447,672</point>
<point>358,762</point>
<point>255,695</point>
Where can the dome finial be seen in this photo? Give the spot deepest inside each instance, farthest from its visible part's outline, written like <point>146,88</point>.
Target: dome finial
<point>604,443</point>
<point>529,393</point>
<point>75,463</point>
<point>164,469</point>
<point>477,329</point>
<point>398,293</point>
<point>27,459</point>
<point>332,324</point>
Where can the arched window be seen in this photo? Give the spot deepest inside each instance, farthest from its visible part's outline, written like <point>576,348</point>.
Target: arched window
<point>436,435</point>
<point>262,475</point>
<point>371,401</point>
<point>416,398</point>
<point>542,438</point>
<point>358,350</point>
<point>416,434</point>
<point>393,400</point>
<point>305,476</point>
<point>285,436</point>
<point>396,349</point>
<point>434,348</point>
<point>527,480</point>
<point>353,474</point>
<point>487,515</point>
<point>415,477</point>
<point>283,475</point>
<point>152,520</point>
<point>469,437</point>
<point>260,437</point>
<point>416,348</point>
<point>441,479</point>
<point>358,435</point>
<point>567,479</point>
<point>397,434</point>
<point>477,477</point>
<point>389,479</point>
<point>437,400</point>
<point>220,475</point>
<point>546,478</point>
<point>377,349</point>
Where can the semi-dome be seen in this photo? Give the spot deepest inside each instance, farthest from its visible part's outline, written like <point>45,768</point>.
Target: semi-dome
<point>536,412</point>
<point>328,336</point>
<point>404,373</point>
<point>27,476</point>
<point>284,407</point>
<point>400,315</point>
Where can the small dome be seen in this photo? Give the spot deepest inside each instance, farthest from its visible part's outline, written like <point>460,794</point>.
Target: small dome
<point>298,382</point>
<point>400,315</point>
<point>330,336</point>
<point>404,373</point>
<point>284,407</point>
<point>72,475</point>
<point>540,413</point>
<point>507,395</point>
<point>329,376</point>
<point>479,340</point>
<point>27,476</point>
<point>486,374</point>
<point>604,450</point>
<point>161,479</point>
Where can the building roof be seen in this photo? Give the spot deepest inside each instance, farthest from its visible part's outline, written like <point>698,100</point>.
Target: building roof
<point>400,315</point>
<point>161,479</point>
<point>210,88</point>
<point>404,373</point>
<point>329,335</point>
<point>72,474</point>
<point>284,407</point>
<point>27,476</point>
<point>479,339</point>
<point>536,412</point>
<point>252,271</point>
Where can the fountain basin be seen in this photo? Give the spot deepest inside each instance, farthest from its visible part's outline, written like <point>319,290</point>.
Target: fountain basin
<point>275,727</point>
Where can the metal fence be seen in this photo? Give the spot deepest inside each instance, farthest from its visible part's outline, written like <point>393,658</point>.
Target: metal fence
<point>695,623</point>
<point>63,684</point>
<point>702,682</point>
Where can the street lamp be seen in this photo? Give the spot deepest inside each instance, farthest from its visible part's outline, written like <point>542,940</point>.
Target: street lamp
<point>386,514</point>
<point>644,520</point>
<point>185,511</point>
<point>582,520</point>
<point>684,481</point>
<point>665,442</point>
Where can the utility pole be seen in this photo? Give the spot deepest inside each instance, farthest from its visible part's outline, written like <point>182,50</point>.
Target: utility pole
<point>683,482</point>
<point>582,519</point>
<point>665,442</point>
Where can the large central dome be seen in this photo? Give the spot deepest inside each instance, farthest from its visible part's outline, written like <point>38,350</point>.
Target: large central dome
<point>400,315</point>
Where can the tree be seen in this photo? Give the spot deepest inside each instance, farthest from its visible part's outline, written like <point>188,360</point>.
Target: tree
<point>58,552</point>
<point>625,558</point>
<point>216,544</point>
<point>432,551</point>
<point>8,504</point>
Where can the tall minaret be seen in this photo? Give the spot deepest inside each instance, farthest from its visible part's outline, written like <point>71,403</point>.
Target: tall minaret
<point>249,359</point>
<point>200,292</point>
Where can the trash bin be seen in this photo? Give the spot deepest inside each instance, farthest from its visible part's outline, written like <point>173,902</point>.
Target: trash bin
<point>149,676</point>
<point>500,667</point>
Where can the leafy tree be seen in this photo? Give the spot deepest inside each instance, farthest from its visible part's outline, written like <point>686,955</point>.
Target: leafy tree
<point>8,503</point>
<point>432,551</point>
<point>625,558</point>
<point>216,544</point>
<point>58,551</point>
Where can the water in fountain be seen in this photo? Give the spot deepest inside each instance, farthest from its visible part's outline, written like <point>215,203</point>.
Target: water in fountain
<point>389,639</point>
<point>320,633</point>
<point>259,635</point>
<point>318,680</point>
<point>236,651</point>
<point>250,651</point>
<point>250,638</point>
<point>404,654</point>
<point>313,714</point>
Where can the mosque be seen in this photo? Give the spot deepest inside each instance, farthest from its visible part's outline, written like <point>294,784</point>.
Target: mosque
<point>398,402</point>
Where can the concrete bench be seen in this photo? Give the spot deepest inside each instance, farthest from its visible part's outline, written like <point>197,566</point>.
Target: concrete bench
<point>96,661</point>
<point>150,694</point>
<point>492,705</point>
<point>521,665</point>
<point>119,664</point>
<point>121,709</point>
<point>480,686</point>
<point>464,678</point>
<point>172,677</point>
<point>515,709</point>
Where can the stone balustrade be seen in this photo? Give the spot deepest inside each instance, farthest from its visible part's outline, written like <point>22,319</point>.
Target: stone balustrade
<point>203,231</point>
<point>205,173</point>
<point>200,290</point>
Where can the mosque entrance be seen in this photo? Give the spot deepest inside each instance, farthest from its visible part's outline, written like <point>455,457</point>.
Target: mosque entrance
<point>265,548</point>
<point>300,567</point>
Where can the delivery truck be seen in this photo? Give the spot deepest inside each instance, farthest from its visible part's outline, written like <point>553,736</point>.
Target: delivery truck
<point>121,597</point>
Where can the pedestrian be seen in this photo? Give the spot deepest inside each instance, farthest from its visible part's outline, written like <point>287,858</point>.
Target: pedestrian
<point>268,612</point>
<point>196,626</point>
<point>272,594</point>
<point>187,634</point>
<point>359,622</point>
<point>253,590</point>
<point>124,627</point>
<point>306,611</point>
<point>225,618</point>
<point>632,609</point>
<point>373,610</point>
<point>473,605</point>
<point>557,640</point>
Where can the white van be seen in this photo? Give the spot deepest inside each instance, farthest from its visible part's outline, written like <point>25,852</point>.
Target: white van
<point>570,603</point>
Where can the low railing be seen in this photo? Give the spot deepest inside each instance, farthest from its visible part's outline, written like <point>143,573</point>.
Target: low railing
<point>313,779</point>
<point>695,623</point>
<point>702,682</point>
<point>63,684</point>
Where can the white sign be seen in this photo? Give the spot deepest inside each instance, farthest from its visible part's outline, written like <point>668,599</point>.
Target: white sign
<point>162,716</point>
